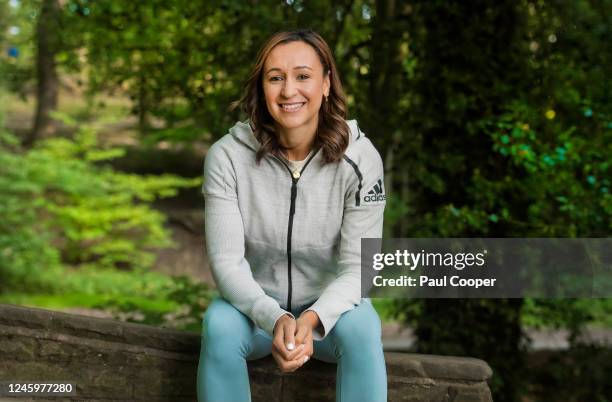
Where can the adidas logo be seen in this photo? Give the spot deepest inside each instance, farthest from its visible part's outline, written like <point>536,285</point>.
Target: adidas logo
<point>376,193</point>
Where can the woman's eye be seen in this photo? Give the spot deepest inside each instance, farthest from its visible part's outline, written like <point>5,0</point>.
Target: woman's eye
<point>280,78</point>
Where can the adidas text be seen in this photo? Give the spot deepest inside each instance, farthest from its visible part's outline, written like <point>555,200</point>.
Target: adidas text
<point>372,198</point>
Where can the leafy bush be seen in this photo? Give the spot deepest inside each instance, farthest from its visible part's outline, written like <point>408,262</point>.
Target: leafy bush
<point>581,373</point>
<point>62,207</point>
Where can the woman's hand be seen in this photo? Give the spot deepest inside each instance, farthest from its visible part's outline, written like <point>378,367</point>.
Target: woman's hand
<point>303,332</point>
<point>292,344</point>
<point>286,353</point>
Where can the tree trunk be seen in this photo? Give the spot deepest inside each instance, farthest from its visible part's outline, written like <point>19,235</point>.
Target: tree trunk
<point>143,104</point>
<point>385,76</point>
<point>384,89</point>
<point>47,38</point>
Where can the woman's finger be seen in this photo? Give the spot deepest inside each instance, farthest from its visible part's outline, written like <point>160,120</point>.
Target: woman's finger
<point>301,334</point>
<point>284,366</point>
<point>299,353</point>
<point>280,361</point>
<point>289,337</point>
<point>291,366</point>
<point>279,338</point>
<point>306,350</point>
<point>286,355</point>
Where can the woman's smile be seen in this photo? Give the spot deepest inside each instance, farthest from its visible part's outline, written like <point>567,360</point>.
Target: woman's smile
<point>291,107</point>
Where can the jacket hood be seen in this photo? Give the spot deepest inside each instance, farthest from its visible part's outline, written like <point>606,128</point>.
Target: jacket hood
<point>243,133</point>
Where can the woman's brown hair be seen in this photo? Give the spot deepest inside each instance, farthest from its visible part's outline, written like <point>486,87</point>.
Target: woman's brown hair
<point>332,132</point>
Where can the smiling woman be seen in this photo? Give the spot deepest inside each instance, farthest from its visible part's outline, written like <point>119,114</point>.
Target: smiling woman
<point>285,215</point>
<point>294,69</point>
<point>294,85</point>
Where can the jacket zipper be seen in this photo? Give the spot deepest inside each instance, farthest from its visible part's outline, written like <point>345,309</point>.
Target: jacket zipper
<point>294,181</point>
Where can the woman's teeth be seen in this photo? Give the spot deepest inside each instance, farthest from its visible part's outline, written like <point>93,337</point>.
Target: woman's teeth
<point>291,107</point>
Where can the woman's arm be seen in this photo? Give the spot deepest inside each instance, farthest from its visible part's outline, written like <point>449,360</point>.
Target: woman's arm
<point>363,218</point>
<point>225,243</point>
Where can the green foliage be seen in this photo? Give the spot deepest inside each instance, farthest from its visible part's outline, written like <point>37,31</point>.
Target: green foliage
<point>194,297</point>
<point>184,62</point>
<point>26,252</point>
<point>4,19</point>
<point>180,304</point>
<point>16,73</point>
<point>134,296</point>
<point>63,205</point>
<point>76,233</point>
<point>505,133</point>
<point>171,59</point>
<point>573,161</point>
<point>579,374</point>
<point>569,314</point>
<point>84,300</point>
<point>180,134</point>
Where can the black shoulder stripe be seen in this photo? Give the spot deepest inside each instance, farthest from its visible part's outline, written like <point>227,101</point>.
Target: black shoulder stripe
<point>359,176</point>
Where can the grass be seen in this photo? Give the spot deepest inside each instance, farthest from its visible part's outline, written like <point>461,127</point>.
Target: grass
<point>87,300</point>
<point>138,296</point>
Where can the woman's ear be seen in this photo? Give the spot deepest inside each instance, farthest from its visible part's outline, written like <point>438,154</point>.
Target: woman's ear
<point>326,84</point>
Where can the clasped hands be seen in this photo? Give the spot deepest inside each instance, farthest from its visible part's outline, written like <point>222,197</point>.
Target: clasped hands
<point>292,345</point>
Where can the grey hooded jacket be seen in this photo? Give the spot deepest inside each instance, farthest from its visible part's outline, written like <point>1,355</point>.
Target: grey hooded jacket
<point>278,241</point>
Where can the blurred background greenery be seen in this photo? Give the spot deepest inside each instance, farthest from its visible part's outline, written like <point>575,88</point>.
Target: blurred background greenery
<point>494,119</point>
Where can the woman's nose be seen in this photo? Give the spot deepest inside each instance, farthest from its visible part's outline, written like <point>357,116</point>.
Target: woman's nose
<point>289,88</point>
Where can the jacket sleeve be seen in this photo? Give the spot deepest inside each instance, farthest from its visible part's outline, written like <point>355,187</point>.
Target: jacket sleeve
<point>362,219</point>
<point>225,244</point>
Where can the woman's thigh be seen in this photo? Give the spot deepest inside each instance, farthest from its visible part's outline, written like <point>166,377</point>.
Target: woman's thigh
<point>224,326</point>
<point>260,345</point>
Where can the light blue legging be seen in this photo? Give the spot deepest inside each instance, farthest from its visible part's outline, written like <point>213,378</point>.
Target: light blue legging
<point>229,339</point>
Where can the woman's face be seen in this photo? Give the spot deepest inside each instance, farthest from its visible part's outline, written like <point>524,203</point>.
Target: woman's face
<point>294,85</point>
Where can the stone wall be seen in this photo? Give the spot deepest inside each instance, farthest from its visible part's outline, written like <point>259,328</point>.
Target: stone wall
<point>113,360</point>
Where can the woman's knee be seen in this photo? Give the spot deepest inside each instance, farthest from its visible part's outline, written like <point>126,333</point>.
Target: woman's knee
<point>359,327</point>
<point>222,322</point>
